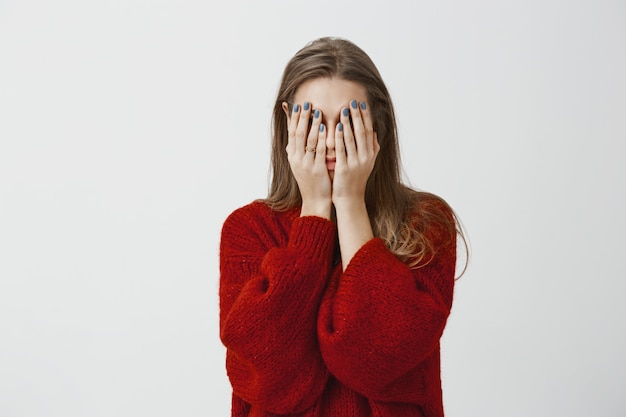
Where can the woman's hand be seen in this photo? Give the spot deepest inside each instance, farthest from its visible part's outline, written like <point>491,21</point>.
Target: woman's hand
<point>306,152</point>
<point>356,146</point>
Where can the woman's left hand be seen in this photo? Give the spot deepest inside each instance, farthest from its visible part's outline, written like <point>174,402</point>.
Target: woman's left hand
<point>356,147</point>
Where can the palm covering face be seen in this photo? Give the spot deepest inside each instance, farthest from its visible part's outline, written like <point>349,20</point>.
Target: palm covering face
<point>306,152</point>
<point>356,151</point>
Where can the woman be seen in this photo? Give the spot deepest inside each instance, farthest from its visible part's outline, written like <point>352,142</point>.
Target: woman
<point>336,288</point>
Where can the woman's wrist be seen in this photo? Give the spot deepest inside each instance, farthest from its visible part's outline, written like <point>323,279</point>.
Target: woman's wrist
<point>353,226</point>
<point>319,208</point>
<point>350,204</point>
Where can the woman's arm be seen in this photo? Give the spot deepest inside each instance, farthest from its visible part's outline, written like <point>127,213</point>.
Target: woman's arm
<point>382,320</point>
<point>270,289</point>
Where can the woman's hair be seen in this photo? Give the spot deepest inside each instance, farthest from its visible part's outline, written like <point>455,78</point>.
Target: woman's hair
<point>397,212</point>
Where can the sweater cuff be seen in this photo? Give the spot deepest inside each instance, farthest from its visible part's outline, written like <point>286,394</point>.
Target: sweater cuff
<point>313,235</point>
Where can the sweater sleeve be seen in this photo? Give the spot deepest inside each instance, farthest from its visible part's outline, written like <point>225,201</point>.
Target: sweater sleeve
<point>381,322</point>
<point>269,298</point>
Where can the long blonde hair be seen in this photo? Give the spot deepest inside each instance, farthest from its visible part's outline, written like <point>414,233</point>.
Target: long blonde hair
<point>397,212</point>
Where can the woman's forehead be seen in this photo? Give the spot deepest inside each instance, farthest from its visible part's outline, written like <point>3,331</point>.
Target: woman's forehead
<point>329,94</point>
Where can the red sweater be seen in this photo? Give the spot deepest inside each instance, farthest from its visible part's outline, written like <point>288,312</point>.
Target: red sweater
<point>304,338</point>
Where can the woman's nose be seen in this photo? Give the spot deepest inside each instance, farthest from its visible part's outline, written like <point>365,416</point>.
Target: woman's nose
<point>330,138</point>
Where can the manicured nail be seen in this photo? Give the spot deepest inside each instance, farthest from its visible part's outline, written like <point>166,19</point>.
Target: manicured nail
<point>340,127</point>
<point>306,105</point>
<point>346,111</point>
<point>296,108</point>
<point>363,106</point>
<point>322,127</point>
<point>353,104</point>
<point>316,114</point>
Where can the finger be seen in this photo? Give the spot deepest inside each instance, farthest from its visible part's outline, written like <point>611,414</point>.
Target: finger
<point>312,139</point>
<point>348,136</point>
<point>368,123</point>
<point>320,151</point>
<point>291,129</point>
<point>363,143</point>
<point>302,129</point>
<point>340,149</point>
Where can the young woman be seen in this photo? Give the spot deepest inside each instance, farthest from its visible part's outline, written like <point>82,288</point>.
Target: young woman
<point>336,288</point>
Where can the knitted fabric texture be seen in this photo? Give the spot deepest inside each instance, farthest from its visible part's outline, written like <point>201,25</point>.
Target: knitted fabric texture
<point>304,338</point>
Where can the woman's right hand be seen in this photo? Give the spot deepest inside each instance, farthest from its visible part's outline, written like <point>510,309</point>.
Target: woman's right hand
<point>306,152</point>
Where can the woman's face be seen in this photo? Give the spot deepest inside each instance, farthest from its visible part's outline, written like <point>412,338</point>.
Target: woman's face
<point>329,96</point>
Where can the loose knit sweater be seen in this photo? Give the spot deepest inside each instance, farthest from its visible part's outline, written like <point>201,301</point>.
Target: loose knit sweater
<point>304,338</point>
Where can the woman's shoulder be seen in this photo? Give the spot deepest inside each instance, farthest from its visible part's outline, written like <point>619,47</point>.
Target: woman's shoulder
<point>253,208</point>
<point>425,202</point>
<point>433,216</point>
<point>258,211</point>
<point>248,212</point>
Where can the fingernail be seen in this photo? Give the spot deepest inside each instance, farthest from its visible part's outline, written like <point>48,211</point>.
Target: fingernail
<point>346,111</point>
<point>316,114</point>
<point>363,106</point>
<point>296,108</point>
<point>340,127</point>
<point>353,104</point>
<point>322,127</point>
<point>306,105</point>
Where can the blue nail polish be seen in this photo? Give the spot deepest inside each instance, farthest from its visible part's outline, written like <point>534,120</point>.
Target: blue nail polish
<point>340,127</point>
<point>306,105</point>
<point>296,108</point>
<point>363,106</point>
<point>316,114</point>
<point>322,127</point>
<point>346,111</point>
<point>353,104</point>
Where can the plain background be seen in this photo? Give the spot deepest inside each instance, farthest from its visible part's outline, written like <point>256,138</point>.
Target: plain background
<point>130,129</point>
